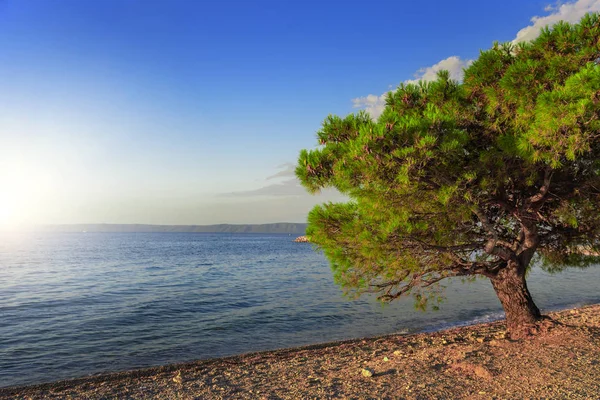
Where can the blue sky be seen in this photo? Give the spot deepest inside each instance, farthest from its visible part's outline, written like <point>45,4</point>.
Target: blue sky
<point>189,112</point>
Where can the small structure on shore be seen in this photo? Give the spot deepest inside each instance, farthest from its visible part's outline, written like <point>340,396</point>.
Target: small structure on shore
<point>302,239</point>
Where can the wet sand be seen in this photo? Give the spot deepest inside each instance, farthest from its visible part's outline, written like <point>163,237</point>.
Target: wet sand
<point>474,362</point>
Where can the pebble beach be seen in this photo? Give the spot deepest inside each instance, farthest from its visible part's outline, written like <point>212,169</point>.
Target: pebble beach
<point>473,362</point>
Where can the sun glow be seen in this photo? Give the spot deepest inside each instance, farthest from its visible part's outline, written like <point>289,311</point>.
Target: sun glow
<point>23,193</point>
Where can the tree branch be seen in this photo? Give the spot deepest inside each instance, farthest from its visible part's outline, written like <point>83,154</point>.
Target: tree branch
<point>485,222</point>
<point>494,246</point>
<point>401,286</point>
<point>541,194</point>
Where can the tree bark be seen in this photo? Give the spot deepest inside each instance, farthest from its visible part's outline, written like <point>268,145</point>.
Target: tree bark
<point>521,312</point>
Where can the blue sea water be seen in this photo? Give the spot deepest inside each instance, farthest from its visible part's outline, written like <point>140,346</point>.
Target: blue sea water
<point>73,304</point>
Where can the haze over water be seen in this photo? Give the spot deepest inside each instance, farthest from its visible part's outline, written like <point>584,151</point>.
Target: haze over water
<point>74,304</point>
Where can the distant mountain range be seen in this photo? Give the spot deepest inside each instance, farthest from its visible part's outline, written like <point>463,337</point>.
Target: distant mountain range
<point>280,227</point>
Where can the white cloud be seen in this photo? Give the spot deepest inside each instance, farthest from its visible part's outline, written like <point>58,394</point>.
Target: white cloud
<point>287,184</point>
<point>454,64</point>
<point>288,187</point>
<point>373,104</point>
<point>570,12</point>
<point>289,171</point>
<point>290,190</point>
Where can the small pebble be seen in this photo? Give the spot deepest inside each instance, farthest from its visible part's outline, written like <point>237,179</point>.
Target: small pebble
<point>367,372</point>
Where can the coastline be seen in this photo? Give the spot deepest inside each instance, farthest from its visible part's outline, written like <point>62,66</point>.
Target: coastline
<point>475,361</point>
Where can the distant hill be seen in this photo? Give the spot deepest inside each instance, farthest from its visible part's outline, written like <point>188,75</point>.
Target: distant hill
<point>280,227</point>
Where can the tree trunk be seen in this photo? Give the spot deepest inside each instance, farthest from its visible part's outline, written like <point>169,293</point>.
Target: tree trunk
<point>521,312</point>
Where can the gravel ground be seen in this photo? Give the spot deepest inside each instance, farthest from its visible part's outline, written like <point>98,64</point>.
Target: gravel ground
<point>475,362</point>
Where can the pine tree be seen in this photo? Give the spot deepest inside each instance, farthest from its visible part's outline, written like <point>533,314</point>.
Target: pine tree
<point>464,179</point>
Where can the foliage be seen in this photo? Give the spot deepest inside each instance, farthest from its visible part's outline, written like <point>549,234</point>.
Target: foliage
<point>463,178</point>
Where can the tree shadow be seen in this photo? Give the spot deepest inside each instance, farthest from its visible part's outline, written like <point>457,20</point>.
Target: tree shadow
<point>388,372</point>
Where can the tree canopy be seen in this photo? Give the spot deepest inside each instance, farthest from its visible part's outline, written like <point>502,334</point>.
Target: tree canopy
<point>471,178</point>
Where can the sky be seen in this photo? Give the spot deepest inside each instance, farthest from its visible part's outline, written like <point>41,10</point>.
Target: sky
<point>194,112</point>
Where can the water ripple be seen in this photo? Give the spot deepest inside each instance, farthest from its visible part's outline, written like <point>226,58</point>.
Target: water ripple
<point>78,304</point>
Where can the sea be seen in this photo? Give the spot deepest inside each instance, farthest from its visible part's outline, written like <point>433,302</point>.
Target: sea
<point>77,304</point>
